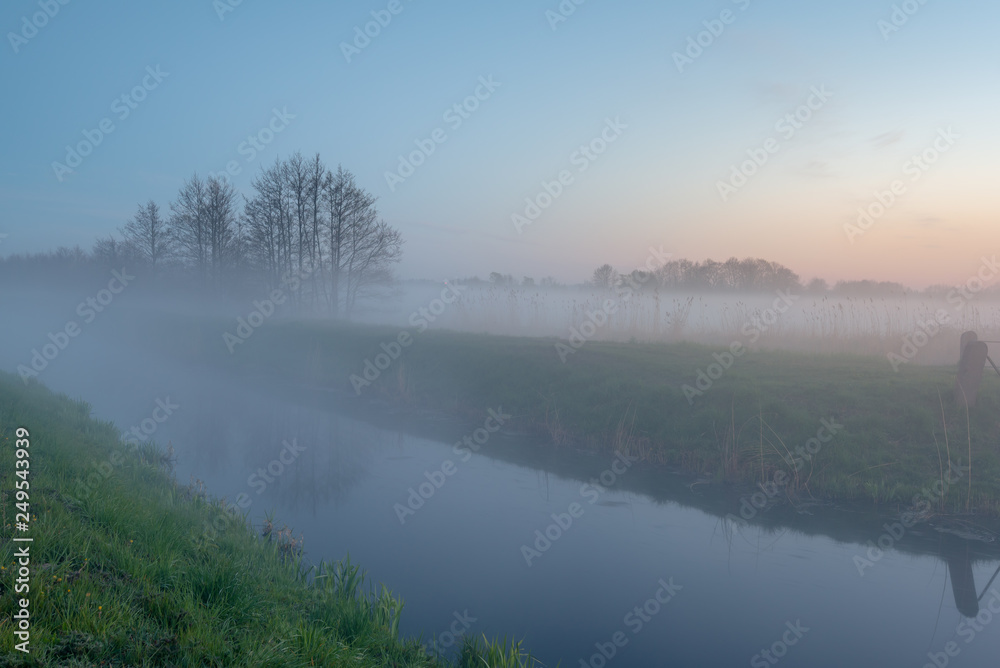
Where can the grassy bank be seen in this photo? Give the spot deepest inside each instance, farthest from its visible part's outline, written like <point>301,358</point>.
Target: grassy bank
<point>899,429</point>
<point>122,571</point>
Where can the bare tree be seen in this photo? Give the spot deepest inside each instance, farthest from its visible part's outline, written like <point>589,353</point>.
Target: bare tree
<point>297,182</point>
<point>374,247</point>
<point>362,246</point>
<point>188,225</point>
<point>731,275</point>
<point>605,277</point>
<point>203,222</point>
<point>341,197</point>
<point>319,176</point>
<point>301,217</point>
<point>671,275</point>
<point>705,275</point>
<point>817,286</point>
<point>220,218</point>
<point>147,234</point>
<point>268,215</point>
<point>110,252</point>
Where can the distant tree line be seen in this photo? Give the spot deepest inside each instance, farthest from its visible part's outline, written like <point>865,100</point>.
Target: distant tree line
<point>734,275</point>
<point>745,275</point>
<point>676,275</point>
<point>303,225</point>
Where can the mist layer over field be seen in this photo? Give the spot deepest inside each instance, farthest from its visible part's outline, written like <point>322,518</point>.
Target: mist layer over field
<point>789,319</point>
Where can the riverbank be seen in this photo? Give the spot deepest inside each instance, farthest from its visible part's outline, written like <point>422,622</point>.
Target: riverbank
<point>126,567</point>
<point>838,427</point>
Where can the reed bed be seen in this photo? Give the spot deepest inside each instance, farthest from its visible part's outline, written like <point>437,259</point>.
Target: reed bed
<point>813,323</point>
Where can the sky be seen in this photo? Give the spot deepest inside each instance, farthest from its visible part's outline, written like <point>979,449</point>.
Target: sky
<point>629,125</point>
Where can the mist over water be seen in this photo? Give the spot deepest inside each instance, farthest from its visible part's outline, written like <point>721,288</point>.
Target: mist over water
<point>517,541</point>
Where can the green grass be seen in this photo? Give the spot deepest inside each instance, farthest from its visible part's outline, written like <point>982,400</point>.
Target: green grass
<point>738,430</point>
<point>123,572</point>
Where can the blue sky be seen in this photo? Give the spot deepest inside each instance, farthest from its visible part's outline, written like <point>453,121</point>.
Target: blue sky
<point>656,184</point>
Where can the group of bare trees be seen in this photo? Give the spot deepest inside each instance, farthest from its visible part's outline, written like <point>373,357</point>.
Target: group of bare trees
<point>319,225</point>
<point>303,226</point>
<point>749,274</point>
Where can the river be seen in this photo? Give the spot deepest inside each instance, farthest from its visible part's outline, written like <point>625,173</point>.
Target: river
<point>593,560</point>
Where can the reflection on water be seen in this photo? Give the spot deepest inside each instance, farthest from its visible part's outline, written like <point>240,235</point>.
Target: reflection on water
<point>958,554</point>
<point>963,582</point>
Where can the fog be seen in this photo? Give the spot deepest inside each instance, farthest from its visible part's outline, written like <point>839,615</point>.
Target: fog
<point>343,473</point>
<point>792,319</point>
<point>443,335</point>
